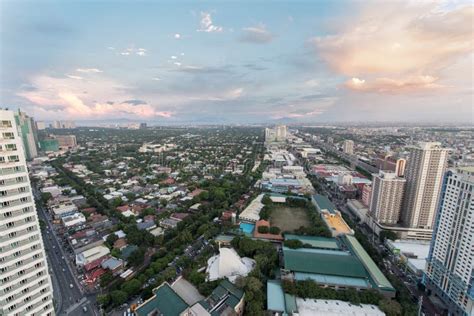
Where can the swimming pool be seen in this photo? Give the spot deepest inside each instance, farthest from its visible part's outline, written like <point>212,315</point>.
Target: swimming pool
<point>247,228</point>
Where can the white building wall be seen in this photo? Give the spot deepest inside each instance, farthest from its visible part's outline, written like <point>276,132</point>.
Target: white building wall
<point>25,285</point>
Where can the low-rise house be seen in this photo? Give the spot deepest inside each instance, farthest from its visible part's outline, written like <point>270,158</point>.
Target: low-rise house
<point>92,254</point>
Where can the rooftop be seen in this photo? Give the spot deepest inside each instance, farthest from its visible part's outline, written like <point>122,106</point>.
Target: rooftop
<point>377,276</point>
<point>164,302</point>
<point>323,203</point>
<point>338,263</point>
<point>314,241</point>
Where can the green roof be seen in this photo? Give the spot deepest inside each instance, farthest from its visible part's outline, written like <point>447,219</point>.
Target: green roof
<point>165,302</point>
<point>300,260</point>
<point>275,296</point>
<point>224,295</point>
<point>323,203</point>
<point>314,241</point>
<point>376,275</point>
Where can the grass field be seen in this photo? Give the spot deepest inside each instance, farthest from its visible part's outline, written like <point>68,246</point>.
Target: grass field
<point>289,218</point>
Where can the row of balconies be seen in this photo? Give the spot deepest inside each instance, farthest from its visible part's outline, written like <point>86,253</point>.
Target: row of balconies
<point>12,181</point>
<point>38,257</point>
<point>14,234</point>
<point>19,307</point>
<point>14,214</point>
<point>34,246</point>
<point>31,283</point>
<point>11,170</point>
<point>13,192</point>
<point>16,202</point>
<point>16,244</point>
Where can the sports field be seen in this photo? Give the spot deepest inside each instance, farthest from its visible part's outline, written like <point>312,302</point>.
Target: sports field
<point>289,218</point>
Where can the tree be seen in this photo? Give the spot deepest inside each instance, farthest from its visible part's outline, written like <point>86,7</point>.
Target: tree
<point>111,239</point>
<point>132,287</point>
<point>390,307</point>
<point>136,258</point>
<point>169,273</point>
<point>387,234</point>
<point>274,230</point>
<point>118,297</point>
<point>293,243</point>
<point>103,300</point>
<point>106,278</point>
<point>263,229</point>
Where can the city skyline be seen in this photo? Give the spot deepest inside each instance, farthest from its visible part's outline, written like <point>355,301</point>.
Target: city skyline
<point>238,63</point>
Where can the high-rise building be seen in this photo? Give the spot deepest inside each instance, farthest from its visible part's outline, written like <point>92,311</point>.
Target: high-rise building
<point>66,141</point>
<point>276,134</point>
<point>348,147</point>
<point>366,194</point>
<point>25,285</point>
<point>388,163</point>
<point>29,136</point>
<point>424,175</point>
<point>40,125</point>
<point>450,267</point>
<point>387,197</point>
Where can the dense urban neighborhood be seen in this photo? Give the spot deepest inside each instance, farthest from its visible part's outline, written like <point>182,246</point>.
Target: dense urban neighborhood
<point>232,220</point>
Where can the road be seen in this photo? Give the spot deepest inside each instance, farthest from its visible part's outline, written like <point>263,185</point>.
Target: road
<point>69,299</point>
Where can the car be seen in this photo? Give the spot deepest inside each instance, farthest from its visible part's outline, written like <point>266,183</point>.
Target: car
<point>70,285</point>
<point>84,309</point>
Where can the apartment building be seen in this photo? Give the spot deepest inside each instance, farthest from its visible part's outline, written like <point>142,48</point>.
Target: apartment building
<point>450,267</point>
<point>25,285</point>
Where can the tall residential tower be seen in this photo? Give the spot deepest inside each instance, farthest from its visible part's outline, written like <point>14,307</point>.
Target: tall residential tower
<point>450,268</point>
<point>424,176</point>
<point>386,198</point>
<point>25,285</point>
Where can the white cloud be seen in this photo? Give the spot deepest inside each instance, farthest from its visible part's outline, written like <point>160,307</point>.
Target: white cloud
<point>177,64</point>
<point>206,24</point>
<point>400,45</point>
<point>156,79</point>
<point>125,53</point>
<point>177,36</point>
<point>256,34</point>
<point>88,70</point>
<point>74,77</point>
<point>174,57</point>
<point>312,83</point>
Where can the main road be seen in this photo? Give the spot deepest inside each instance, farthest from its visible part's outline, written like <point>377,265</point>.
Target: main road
<point>67,292</point>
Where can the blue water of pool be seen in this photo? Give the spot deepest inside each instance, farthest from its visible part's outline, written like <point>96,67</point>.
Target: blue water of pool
<point>247,228</point>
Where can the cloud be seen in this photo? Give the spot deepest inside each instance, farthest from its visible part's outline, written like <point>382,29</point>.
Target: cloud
<point>256,34</point>
<point>389,85</point>
<point>141,52</point>
<point>399,46</point>
<point>203,70</point>
<point>174,57</point>
<point>156,79</point>
<point>89,70</point>
<point>206,24</point>
<point>66,97</point>
<point>312,83</point>
<point>177,36</point>
<point>135,102</point>
<point>74,77</point>
<point>177,64</point>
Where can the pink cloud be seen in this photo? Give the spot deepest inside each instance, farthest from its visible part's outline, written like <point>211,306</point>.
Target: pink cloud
<point>400,46</point>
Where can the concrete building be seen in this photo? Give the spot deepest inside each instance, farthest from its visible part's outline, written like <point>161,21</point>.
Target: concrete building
<point>424,176</point>
<point>387,197</point>
<point>450,266</point>
<point>25,285</point>
<point>29,136</point>
<point>348,147</point>
<point>40,125</point>
<point>276,134</point>
<point>66,141</point>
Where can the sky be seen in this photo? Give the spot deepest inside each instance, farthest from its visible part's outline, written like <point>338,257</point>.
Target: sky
<point>239,61</point>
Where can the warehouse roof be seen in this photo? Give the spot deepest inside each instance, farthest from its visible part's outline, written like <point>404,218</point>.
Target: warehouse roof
<point>323,203</point>
<point>314,241</point>
<point>377,276</point>
<point>302,260</point>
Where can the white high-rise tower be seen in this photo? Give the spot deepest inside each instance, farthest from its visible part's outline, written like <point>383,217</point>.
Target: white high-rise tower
<point>424,175</point>
<point>25,285</point>
<point>450,268</point>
